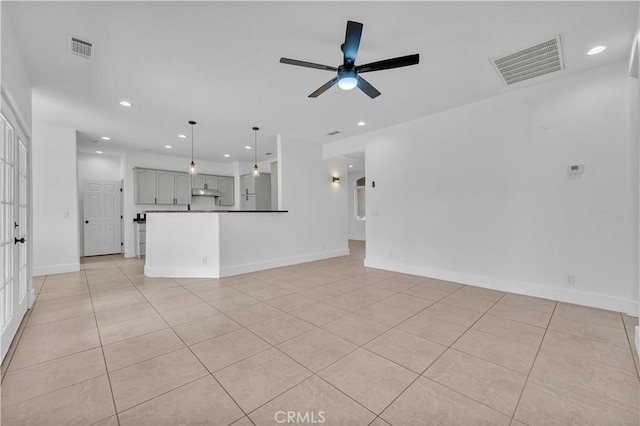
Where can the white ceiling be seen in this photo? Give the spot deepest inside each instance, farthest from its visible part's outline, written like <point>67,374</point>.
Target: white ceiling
<point>217,63</point>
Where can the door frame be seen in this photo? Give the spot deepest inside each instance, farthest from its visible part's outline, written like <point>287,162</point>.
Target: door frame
<point>20,130</point>
<point>82,219</point>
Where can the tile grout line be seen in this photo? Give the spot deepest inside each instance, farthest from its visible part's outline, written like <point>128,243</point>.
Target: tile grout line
<point>288,356</point>
<point>439,356</point>
<point>316,328</point>
<point>21,330</point>
<point>631,347</point>
<point>104,359</point>
<point>362,347</point>
<point>192,353</point>
<point>513,416</point>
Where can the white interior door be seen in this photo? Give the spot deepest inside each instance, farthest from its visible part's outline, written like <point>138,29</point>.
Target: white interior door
<point>14,235</point>
<point>102,218</point>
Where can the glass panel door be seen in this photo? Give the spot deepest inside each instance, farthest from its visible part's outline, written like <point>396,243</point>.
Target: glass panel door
<point>14,232</point>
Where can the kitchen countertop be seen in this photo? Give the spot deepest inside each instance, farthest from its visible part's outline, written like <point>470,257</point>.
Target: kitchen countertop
<point>217,211</point>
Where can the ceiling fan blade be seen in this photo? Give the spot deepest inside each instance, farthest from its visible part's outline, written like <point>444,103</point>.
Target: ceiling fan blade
<point>307,64</point>
<point>367,88</point>
<point>351,42</point>
<point>402,61</point>
<point>324,87</point>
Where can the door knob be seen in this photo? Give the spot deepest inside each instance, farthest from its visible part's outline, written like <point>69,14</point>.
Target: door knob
<point>16,241</point>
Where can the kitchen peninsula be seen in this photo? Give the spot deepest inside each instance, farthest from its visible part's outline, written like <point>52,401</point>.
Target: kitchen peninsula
<point>214,244</point>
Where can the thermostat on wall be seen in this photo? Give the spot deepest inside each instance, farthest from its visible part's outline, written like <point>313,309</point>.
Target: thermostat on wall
<point>575,169</point>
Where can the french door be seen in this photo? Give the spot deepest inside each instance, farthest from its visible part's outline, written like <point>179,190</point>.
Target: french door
<point>15,233</point>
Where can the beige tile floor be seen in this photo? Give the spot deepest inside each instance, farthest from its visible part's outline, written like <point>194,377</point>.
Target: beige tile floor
<point>332,341</point>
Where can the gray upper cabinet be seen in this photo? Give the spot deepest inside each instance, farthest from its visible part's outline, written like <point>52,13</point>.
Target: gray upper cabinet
<point>145,186</point>
<point>198,181</point>
<point>166,187</point>
<point>183,188</point>
<point>212,182</point>
<point>226,188</point>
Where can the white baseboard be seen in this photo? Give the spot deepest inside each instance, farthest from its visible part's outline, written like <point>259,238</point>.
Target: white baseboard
<point>32,297</point>
<point>229,271</point>
<point>55,269</point>
<point>212,271</point>
<point>357,237</point>
<point>596,300</point>
<point>205,271</point>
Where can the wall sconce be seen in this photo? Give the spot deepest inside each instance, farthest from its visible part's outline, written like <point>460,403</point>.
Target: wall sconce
<point>336,179</point>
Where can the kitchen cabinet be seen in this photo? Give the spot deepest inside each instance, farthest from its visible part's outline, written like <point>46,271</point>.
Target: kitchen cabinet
<point>211,181</point>
<point>255,192</point>
<point>145,186</point>
<point>198,181</point>
<point>182,188</point>
<point>140,239</point>
<point>165,187</point>
<point>227,190</point>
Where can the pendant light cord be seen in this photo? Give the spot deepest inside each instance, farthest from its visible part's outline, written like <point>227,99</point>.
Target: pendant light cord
<point>255,146</point>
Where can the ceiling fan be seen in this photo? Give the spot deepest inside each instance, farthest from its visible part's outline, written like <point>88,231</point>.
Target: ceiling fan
<point>348,73</point>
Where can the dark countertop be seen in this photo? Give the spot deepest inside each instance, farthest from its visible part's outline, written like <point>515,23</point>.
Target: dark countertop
<point>216,211</point>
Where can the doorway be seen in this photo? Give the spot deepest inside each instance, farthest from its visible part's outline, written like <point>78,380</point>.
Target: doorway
<point>357,195</point>
<point>102,217</point>
<point>15,236</point>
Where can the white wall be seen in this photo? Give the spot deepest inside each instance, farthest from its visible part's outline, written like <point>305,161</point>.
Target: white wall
<point>55,200</point>
<point>314,227</point>
<point>479,194</point>
<point>93,167</point>
<point>14,79</point>
<point>274,185</point>
<point>356,228</point>
<point>131,159</point>
<point>315,222</point>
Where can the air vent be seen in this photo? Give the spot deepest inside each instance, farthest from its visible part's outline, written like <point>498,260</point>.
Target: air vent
<point>81,47</point>
<point>335,132</point>
<point>540,59</point>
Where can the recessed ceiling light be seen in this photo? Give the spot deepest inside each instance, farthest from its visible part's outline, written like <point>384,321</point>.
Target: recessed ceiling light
<point>99,152</point>
<point>247,147</point>
<point>596,50</point>
<point>227,155</point>
<point>125,103</point>
<point>182,136</point>
<point>361,123</point>
<point>106,138</point>
<point>350,165</point>
<point>168,146</point>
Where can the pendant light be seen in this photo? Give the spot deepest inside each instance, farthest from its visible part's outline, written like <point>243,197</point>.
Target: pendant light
<point>256,170</point>
<point>193,170</point>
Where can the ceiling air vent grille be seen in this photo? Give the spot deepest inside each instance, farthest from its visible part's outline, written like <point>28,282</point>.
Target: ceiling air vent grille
<point>335,132</point>
<point>534,61</point>
<point>81,47</point>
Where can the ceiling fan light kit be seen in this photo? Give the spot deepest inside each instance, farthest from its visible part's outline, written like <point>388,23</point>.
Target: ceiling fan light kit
<point>348,73</point>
